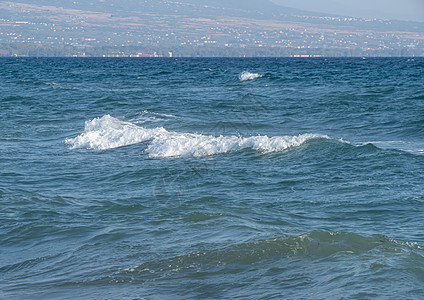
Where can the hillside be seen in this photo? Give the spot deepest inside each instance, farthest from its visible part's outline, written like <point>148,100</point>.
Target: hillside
<point>193,28</point>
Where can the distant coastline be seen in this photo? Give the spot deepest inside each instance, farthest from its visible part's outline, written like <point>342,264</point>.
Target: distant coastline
<point>29,50</point>
<point>184,28</point>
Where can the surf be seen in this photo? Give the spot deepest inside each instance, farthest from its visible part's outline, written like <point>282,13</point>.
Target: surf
<point>108,132</point>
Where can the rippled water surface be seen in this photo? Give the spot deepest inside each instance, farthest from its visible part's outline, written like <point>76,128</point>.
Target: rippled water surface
<point>212,178</point>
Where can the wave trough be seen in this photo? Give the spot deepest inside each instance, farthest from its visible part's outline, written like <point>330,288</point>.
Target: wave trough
<point>108,132</point>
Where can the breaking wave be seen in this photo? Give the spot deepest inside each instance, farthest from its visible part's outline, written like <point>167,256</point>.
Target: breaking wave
<point>245,75</point>
<point>108,132</point>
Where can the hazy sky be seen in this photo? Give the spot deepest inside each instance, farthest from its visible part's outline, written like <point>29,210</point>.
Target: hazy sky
<point>409,10</point>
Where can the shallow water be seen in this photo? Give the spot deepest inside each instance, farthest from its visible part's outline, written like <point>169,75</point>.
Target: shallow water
<point>211,178</point>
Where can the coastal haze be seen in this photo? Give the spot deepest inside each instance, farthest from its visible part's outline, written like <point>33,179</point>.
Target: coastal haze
<point>201,28</point>
<point>407,10</point>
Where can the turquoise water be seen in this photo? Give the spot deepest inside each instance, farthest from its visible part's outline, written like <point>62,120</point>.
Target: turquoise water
<point>211,178</point>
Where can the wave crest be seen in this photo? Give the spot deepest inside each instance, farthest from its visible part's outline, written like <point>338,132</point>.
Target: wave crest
<point>198,145</point>
<point>245,75</point>
<point>108,132</point>
<point>315,245</point>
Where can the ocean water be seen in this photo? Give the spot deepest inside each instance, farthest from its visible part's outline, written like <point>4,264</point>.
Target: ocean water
<point>212,178</point>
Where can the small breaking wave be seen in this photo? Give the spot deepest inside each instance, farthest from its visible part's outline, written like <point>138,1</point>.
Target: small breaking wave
<point>245,75</point>
<point>108,132</point>
<point>198,145</point>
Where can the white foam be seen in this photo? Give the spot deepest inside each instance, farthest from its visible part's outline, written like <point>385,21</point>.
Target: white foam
<point>245,75</point>
<point>198,145</point>
<point>108,132</point>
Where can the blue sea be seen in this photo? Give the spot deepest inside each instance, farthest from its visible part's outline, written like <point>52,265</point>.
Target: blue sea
<point>220,178</point>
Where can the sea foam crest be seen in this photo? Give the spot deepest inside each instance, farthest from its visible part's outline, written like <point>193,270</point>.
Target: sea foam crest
<point>245,75</point>
<point>108,132</point>
<point>197,145</point>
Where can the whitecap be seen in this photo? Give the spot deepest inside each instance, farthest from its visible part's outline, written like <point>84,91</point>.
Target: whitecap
<point>198,145</point>
<point>245,75</point>
<point>108,132</point>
